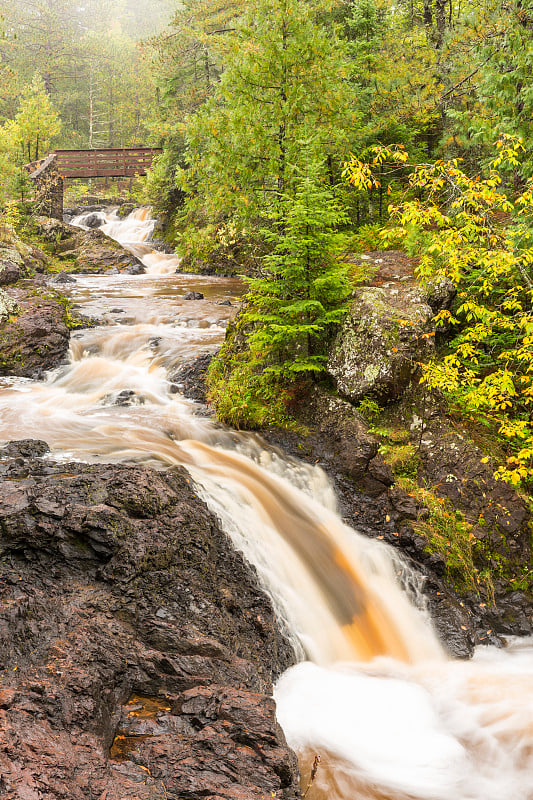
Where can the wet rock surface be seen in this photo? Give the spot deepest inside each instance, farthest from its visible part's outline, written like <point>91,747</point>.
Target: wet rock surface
<point>463,475</point>
<point>85,251</point>
<point>137,652</point>
<point>35,337</point>
<point>191,378</point>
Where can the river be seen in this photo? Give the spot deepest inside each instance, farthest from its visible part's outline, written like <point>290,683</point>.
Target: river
<point>391,717</point>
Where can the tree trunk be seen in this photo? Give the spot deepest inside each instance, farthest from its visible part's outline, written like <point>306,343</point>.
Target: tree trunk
<point>282,133</point>
<point>440,17</point>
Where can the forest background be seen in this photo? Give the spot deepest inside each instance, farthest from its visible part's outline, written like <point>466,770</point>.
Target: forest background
<point>295,131</point>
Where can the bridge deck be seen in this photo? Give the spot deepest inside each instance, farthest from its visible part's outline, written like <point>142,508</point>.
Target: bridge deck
<point>108,163</point>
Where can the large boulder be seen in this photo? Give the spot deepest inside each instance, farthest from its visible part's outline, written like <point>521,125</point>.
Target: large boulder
<point>387,333</point>
<point>34,335</point>
<point>17,258</point>
<point>137,649</point>
<point>85,251</point>
<point>9,271</point>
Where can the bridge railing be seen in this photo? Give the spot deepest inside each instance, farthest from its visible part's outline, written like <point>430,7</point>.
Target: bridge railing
<point>108,163</point>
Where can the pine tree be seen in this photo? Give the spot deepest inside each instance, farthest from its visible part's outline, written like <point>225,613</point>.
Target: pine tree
<point>285,73</point>
<point>491,56</point>
<point>292,308</point>
<point>304,288</point>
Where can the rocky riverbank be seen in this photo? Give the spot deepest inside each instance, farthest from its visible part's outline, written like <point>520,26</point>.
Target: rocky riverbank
<point>137,651</point>
<point>34,319</point>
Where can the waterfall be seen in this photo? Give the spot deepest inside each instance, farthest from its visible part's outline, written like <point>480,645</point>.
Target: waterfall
<point>373,696</point>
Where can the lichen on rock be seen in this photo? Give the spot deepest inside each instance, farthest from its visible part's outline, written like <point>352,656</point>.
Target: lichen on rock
<point>7,306</point>
<point>387,332</point>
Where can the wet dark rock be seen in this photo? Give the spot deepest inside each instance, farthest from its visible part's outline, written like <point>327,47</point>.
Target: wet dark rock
<point>86,251</point>
<point>452,621</point>
<point>161,247</point>
<point>224,303</point>
<point>345,441</point>
<point>137,650</point>
<point>192,377</point>
<point>405,506</point>
<point>9,272</point>
<point>93,221</point>
<point>136,269</point>
<point>36,337</point>
<point>462,474</point>
<point>125,397</point>
<point>63,277</point>
<point>24,448</point>
<point>193,296</point>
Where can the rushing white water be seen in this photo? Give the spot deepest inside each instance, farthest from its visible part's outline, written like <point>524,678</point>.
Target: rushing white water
<point>390,717</point>
<point>133,232</point>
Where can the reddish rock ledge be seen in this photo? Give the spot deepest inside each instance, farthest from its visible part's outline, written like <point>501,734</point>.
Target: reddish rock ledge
<point>137,651</point>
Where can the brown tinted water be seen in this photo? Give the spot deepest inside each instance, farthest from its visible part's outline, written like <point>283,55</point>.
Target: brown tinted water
<point>389,715</point>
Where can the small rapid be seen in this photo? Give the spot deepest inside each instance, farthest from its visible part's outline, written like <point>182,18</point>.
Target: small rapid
<point>391,717</point>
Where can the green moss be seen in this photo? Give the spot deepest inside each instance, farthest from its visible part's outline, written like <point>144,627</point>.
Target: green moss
<point>10,331</point>
<point>473,564</point>
<point>398,453</point>
<point>369,409</point>
<point>399,436</point>
<point>448,533</point>
<point>403,459</point>
<point>241,397</point>
<point>492,553</point>
<point>70,318</point>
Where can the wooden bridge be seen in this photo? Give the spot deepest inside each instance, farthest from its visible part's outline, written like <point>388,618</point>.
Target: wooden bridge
<point>48,174</point>
<point>109,163</point>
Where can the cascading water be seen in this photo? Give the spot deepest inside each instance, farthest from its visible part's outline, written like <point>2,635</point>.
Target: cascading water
<point>389,715</point>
